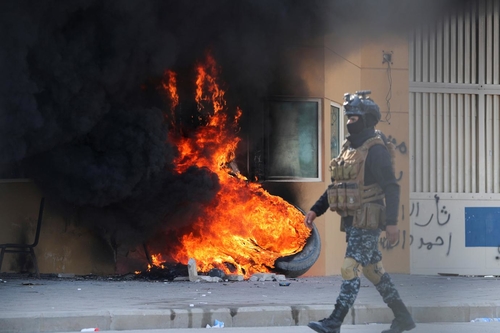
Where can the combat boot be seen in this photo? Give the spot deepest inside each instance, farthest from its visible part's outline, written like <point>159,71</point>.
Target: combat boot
<point>402,318</point>
<point>332,323</point>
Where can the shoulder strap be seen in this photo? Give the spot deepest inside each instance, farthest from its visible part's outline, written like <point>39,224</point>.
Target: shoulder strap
<point>345,146</point>
<point>376,140</point>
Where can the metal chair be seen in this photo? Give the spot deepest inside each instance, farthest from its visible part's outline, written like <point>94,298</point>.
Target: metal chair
<point>26,248</point>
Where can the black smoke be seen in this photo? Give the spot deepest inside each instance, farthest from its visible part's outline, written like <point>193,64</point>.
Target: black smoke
<point>80,112</point>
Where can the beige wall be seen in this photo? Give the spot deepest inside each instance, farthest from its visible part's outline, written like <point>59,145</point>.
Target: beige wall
<point>348,68</point>
<point>374,77</point>
<point>63,248</point>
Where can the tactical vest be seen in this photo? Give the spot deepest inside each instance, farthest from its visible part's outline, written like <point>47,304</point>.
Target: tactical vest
<point>348,195</point>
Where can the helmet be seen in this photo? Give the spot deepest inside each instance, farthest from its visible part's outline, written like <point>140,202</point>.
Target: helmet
<point>360,105</point>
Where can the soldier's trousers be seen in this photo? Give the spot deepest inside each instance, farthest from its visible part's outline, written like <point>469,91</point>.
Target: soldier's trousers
<point>362,246</point>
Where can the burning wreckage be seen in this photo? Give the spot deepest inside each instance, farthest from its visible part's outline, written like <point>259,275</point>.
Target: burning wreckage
<point>245,230</point>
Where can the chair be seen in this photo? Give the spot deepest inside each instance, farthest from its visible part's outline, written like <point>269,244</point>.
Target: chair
<point>26,248</point>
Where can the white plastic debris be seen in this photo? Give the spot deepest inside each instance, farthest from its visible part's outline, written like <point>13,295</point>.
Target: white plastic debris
<point>234,277</point>
<point>208,278</point>
<point>217,324</point>
<point>485,320</point>
<point>192,270</point>
<point>92,329</point>
<point>66,275</point>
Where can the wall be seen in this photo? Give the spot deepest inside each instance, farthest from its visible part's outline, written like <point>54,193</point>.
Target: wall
<point>393,97</point>
<point>455,135</point>
<point>347,69</point>
<point>341,66</point>
<point>454,234</point>
<point>63,247</point>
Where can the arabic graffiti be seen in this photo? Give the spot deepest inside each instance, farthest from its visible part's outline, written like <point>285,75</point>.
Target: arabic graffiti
<point>438,212</point>
<point>401,147</point>
<point>440,216</point>
<point>438,242</point>
<point>413,207</point>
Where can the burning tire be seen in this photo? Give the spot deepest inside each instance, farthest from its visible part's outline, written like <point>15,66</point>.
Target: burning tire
<point>299,263</point>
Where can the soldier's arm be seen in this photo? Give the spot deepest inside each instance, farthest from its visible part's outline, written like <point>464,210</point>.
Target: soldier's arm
<point>381,167</point>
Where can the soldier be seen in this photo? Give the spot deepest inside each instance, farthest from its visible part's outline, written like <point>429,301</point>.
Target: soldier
<point>362,177</point>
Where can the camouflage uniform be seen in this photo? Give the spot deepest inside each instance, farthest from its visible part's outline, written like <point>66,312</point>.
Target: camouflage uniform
<point>362,246</point>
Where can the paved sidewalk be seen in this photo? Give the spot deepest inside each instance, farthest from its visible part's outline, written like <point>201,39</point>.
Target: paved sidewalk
<point>370,328</point>
<point>64,305</point>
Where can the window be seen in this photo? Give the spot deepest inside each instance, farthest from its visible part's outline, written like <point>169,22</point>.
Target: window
<point>335,131</point>
<point>293,140</point>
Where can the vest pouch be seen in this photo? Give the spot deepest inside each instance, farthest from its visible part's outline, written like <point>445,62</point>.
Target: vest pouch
<point>353,172</point>
<point>381,223</point>
<point>353,197</point>
<point>332,197</point>
<point>341,195</point>
<point>333,164</point>
<point>346,171</point>
<point>335,172</point>
<point>369,216</point>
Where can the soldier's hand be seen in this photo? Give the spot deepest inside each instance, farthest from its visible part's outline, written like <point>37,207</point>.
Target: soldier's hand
<point>392,234</point>
<point>308,220</point>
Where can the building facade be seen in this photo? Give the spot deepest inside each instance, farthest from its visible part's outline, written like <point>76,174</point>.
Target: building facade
<point>439,93</point>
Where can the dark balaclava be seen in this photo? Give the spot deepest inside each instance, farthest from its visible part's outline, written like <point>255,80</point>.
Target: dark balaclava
<point>367,121</point>
<point>356,127</point>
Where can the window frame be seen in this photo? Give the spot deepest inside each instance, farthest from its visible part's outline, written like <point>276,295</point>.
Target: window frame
<point>341,126</point>
<point>320,148</point>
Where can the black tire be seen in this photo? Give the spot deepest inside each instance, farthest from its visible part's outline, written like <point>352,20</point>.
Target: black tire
<point>299,263</point>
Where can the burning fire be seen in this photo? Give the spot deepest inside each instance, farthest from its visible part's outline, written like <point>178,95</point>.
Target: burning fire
<point>170,85</point>
<point>245,229</point>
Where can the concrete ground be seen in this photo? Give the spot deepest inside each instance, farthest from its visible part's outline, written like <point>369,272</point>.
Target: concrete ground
<point>371,328</point>
<point>55,304</point>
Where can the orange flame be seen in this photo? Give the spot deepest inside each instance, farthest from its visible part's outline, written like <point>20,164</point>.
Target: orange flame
<point>169,84</point>
<point>245,229</point>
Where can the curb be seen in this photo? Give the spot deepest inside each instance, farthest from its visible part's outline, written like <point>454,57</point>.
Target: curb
<point>260,316</point>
